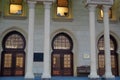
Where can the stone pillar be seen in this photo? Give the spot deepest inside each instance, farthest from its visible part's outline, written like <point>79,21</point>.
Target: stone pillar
<point>46,72</point>
<point>108,73</point>
<point>29,57</point>
<point>93,57</point>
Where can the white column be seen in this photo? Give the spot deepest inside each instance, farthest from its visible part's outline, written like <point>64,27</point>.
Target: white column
<point>29,57</point>
<point>108,73</point>
<point>93,56</point>
<point>46,72</point>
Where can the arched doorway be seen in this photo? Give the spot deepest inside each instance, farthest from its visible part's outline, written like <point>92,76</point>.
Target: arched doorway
<point>62,56</point>
<point>101,56</point>
<point>13,55</point>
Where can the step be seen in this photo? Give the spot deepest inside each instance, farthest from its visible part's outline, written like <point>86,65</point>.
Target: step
<point>11,78</point>
<point>69,78</point>
<point>53,78</point>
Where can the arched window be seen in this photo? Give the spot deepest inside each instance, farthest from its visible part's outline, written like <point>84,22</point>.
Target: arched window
<point>62,41</point>
<point>14,40</point>
<point>13,55</point>
<point>62,56</point>
<point>101,56</point>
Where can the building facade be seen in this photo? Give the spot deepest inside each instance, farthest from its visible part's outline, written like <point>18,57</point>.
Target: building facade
<point>60,38</point>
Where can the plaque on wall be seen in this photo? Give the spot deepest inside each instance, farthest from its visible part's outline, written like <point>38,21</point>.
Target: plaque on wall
<point>86,56</point>
<point>38,57</point>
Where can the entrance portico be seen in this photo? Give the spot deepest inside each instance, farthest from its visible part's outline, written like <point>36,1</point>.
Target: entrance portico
<point>59,40</point>
<point>47,5</point>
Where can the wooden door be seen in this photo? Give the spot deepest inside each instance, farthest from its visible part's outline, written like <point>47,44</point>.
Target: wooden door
<point>62,64</point>
<point>13,64</point>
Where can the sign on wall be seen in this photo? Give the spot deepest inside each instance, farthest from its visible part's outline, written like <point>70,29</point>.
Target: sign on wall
<point>38,57</point>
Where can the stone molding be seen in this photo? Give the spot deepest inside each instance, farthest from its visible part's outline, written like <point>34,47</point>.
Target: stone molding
<point>99,2</point>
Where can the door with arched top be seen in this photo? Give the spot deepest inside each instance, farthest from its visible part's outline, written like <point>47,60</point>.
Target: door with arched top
<point>13,55</point>
<point>101,56</point>
<point>62,56</point>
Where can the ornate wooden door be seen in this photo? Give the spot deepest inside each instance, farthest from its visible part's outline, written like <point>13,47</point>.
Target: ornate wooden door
<point>62,64</point>
<point>13,64</point>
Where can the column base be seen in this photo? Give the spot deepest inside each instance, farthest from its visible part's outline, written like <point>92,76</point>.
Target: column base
<point>29,76</point>
<point>109,76</point>
<point>93,76</point>
<point>46,79</point>
<point>46,76</point>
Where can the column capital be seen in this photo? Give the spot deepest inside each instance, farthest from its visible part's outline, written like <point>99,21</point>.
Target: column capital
<point>106,8</point>
<point>31,4</point>
<point>92,7</point>
<point>47,4</point>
